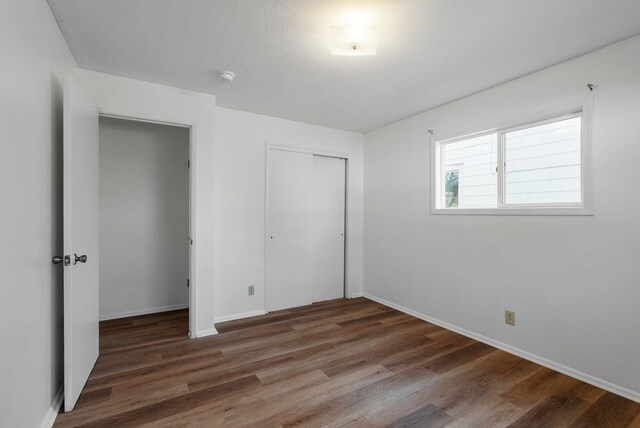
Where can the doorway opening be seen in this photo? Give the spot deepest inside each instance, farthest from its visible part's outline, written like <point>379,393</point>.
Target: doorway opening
<point>144,221</point>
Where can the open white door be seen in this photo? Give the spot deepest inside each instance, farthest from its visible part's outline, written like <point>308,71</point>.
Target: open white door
<point>81,309</point>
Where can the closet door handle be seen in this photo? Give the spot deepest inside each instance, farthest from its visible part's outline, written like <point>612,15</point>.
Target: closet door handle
<point>81,259</point>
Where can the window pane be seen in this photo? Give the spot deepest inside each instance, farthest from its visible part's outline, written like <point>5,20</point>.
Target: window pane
<point>451,189</point>
<point>469,176</point>
<point>543,164</point>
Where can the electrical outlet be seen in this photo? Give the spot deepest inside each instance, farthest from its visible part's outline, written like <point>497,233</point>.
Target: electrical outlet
<point>252,290</point>
<point>510,317</point>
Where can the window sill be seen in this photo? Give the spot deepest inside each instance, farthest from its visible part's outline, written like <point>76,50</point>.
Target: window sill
<point>524,211</point>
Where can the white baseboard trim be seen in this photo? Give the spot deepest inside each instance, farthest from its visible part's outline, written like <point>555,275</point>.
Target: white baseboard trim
<point>592,380</point>
<point>52,414</point>
<point>240,316</point>
<point>205,333</point>
<point>358,294</point>
<point>142,312</point>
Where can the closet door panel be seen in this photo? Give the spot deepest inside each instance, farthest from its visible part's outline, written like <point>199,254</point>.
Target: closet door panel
<point>328,227</point>
<point>289,230</point>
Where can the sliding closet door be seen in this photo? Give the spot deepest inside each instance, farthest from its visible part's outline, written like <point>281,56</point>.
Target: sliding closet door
<point>289,229</point>
<point>328,227</point>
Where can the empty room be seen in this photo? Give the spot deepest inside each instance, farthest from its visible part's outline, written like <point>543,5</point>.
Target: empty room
<point>320,213</point>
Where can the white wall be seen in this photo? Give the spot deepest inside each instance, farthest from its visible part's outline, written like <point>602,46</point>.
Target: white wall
<point>233,259</point>
<point>35,58</point>
<point>135,98</point>
<point>572,281</point>
<point>240,202</point>
<point>144,217</point>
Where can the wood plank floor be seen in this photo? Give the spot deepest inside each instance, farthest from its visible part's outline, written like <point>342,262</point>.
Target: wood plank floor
<point>143,331</point>
<point>338,363</point>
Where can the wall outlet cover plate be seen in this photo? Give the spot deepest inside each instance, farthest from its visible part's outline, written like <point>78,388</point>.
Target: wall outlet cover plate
<point>510,318</point>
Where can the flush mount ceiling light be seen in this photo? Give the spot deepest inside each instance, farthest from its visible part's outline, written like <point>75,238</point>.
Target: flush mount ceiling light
<point>358,36</point>
<point>355,40</point>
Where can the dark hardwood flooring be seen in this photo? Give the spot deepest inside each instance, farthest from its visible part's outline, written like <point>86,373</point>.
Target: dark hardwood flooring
<point>338,363</point>
<point>143,331</point>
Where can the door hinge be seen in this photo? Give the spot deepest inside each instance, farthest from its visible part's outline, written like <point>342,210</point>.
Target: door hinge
<point>188,164</point>
<point>187,282</point>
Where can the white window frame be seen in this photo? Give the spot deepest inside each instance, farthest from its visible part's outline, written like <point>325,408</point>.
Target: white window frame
<point>580,109</point>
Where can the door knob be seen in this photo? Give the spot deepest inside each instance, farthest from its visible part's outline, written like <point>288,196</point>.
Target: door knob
<point>56,260</point>
<point>81,259</point>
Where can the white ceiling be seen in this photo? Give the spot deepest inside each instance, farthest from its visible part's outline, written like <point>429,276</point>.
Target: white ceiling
<point>430,51</point>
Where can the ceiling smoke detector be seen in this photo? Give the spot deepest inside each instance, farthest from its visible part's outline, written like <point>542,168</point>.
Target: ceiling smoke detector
<point>227,76</point>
